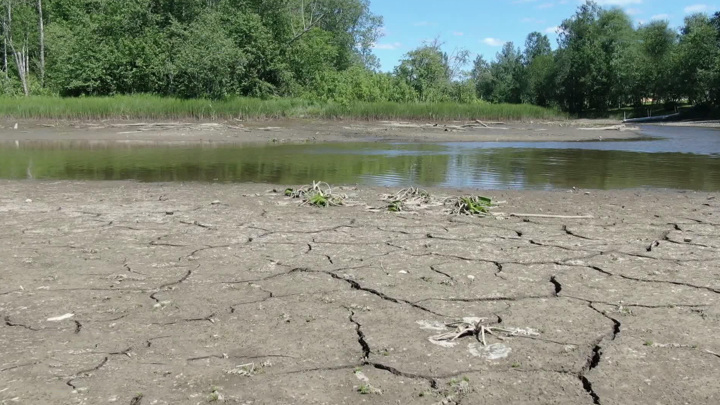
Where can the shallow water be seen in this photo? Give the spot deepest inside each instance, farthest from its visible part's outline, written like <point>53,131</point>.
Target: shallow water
<point>667,157</point>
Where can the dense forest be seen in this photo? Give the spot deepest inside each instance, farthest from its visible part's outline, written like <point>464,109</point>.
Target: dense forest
<point>322,50</point>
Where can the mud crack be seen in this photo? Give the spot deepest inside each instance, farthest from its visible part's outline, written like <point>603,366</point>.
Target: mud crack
<point>571,233</point>
<point>592,362</point>
<point>557,285</point>
<point>149,341</point>
<point>356,286</point>
<point>167,285</point>
<point>361,336</point>
<point>432,381</point>
<point>8,322</point>
<point>85,373</point>
<point>210,318</point>
<point>434,268</point>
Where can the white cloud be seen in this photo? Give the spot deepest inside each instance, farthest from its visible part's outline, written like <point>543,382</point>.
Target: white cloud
<point>387,47</point>
<point>493,41</point>
<point>633,11</point>
<point>552,30</point>
<point>528,20</point>
<point>660,17</point>
<point>458,33</point>
<point>696,8</point>
<point>424,24</point>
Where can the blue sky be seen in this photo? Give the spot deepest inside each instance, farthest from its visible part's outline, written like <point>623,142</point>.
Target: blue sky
<point>482,26</point>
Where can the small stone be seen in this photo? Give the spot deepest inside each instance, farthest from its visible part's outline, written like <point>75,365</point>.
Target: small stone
<point>216,202</point>
<point>28,201</point>
<point>688,240</point>
<point>402,272</point>
<point>471,277</point>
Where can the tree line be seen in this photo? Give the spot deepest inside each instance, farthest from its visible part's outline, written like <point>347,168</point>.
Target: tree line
<point>322,50</point>
<point>603,62</point>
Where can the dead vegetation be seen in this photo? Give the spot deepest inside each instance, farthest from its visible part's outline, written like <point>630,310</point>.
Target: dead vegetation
<point>317,194</point>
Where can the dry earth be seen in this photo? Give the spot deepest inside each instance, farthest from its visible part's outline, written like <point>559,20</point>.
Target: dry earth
<point>306,130</point>
<point>195,293</point>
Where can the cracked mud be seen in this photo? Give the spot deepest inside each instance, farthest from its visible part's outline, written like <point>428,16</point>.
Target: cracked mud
<point>192,293</point>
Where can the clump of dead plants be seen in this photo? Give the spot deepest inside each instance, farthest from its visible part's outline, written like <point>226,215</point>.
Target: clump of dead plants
<point>317,194</point>
<point>478,328</point>
<point>408,198</point>
<point>470,205</point>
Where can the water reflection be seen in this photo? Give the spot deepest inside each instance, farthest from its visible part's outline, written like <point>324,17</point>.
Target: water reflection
<point>607,165</point>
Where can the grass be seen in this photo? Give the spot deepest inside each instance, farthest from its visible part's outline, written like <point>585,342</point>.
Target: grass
<point>149,107</point>
<point>154,107</point>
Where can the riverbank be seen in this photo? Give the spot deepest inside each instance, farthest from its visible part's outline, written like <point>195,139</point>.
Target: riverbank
<point>313,130</point>
<point>189,293</point>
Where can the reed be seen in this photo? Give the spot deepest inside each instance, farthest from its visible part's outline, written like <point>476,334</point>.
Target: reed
<point>155,107</point>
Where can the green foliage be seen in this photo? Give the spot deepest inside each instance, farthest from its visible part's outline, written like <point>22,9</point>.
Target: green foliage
<point>321,51</point>
<point>471,205</point>
<point>207,63</point>
<point>425,70</point>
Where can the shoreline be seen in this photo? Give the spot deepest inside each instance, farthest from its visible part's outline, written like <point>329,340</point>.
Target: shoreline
<point>313,130</point>
<point>173,292</point>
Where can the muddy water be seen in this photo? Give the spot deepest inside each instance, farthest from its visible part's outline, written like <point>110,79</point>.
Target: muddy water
<point>675,158</point>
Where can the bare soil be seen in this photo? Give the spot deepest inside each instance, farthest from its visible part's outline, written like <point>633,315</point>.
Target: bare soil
<point>303,130</point>
<point>129,293</point>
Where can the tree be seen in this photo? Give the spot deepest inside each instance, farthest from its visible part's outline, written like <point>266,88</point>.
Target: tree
<point>426,70</point>
<point>536,45</point>
<point>696,58</point>
<point>507,74</point>
<point>657,44</point>
<point>19,35</point>
<point>619,60</point>
<point>579,59</point>
<point>482,77</point>
<point>539,70</point>
<point>41,30</point>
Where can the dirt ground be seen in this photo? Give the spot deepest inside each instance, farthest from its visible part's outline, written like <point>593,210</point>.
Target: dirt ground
<point>305,130</point>
<point>130,293</point>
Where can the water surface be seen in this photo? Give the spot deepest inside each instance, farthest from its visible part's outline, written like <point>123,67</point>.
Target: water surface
<point>667,157</point>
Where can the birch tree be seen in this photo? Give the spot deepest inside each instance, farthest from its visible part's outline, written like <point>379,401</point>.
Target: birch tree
<point>41,30</point>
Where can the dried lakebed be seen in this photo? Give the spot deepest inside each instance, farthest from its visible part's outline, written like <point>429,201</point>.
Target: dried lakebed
<point>195,293</point>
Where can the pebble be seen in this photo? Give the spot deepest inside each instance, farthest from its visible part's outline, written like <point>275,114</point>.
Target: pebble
<point>28,201</point>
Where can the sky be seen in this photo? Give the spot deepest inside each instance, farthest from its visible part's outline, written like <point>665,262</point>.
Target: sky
<point>483,26</point>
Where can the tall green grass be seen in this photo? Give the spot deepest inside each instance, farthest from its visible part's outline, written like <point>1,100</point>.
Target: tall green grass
<point>438,111</point>
<point>154,107</point>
